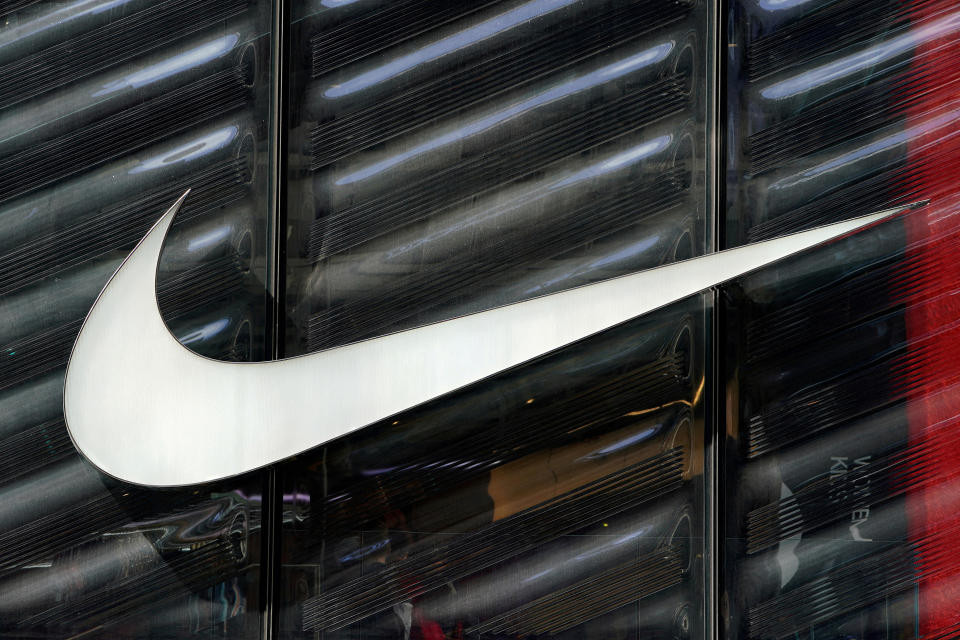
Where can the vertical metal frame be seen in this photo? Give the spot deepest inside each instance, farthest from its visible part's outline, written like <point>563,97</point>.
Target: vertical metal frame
<point>715,428</point>
<point>276,286</point>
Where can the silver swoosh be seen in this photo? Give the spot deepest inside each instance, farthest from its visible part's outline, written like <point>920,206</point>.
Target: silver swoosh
<point>145,409</point>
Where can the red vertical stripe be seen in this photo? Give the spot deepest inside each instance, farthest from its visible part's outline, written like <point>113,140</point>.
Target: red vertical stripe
<point>934,156</point>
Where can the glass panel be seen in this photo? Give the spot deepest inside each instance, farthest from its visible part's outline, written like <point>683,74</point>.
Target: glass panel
<point>565,497</point>
<point>447,158</point>
<point>109,111</point>
<point>832,103</point>
<point>840,367</point>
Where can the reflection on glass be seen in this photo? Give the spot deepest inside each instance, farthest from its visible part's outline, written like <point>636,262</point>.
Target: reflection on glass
<point>840,382</point>
<point>173,65</point>
<point>178,104</point>
<point>511,150</point>
<point>861,61</point>
<point>445,46</point>
<point>478,126</point>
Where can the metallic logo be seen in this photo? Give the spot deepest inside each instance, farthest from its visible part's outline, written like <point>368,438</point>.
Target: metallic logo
<point>145,409</point>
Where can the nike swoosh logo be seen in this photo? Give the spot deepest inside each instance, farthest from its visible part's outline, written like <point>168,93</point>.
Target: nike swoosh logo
<point>145,409</point>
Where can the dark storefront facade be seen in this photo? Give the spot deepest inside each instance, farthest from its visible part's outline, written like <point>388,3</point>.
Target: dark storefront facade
<point>775,457</point>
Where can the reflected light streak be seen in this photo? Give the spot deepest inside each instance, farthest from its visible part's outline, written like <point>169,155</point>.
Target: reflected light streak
<point>866,151</point>
<point>640,532</point>
<point>619,161</point>
<point>378,471</point>
<point>448,45</point>
<point>636,438</point>
<point>211,237</point>
<point>61,16</point>
<point>362,552</point>
<point>205,332</point>
<point>667,405</point>
<point>600,263</point>
<point>191,150</point>
<point>538,575</point>
<point>590,80</point>
<point>861,61</point>
<point>623,254</point>
<point>699,393</point>
<point>172,66</point>
<point>630,537</point>
<point>779,5</point>
<point>288,498</point>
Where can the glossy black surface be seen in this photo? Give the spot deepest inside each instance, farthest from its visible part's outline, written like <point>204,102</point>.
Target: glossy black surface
<point>109,111</point>
<point>450,157</point>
